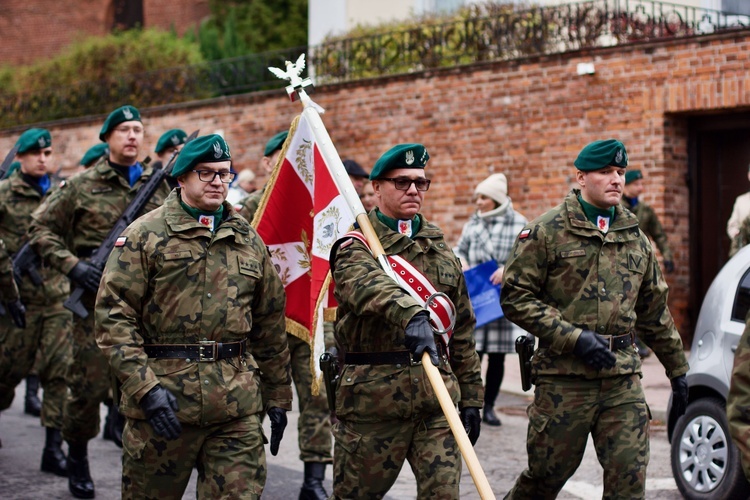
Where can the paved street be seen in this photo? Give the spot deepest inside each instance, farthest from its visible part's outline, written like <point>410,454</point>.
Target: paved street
<point>501,451</point>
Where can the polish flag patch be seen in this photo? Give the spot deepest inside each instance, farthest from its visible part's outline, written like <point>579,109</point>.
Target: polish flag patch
<point>524,234</point>
<point>121,241</point>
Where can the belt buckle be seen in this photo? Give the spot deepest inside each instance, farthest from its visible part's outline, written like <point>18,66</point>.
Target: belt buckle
<point>204,344</point>
<point>414,361</point>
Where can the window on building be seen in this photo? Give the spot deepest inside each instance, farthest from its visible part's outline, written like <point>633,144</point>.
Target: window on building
<point>127,14</point>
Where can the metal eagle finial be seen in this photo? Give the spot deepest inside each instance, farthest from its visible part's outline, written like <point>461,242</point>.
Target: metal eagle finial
<point>293,70</point>
<point>297,86</point>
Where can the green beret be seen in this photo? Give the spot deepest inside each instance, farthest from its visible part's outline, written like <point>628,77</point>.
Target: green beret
<point>400,156</point>
<point>632,175</point>
<point>16,165</point>
<point>600,154</point>
<point>275,143</point>
<point>122,114</point>
<point>170,139</point>
<point>33,139</point>
<point>207,149</point>
<point>93,154</point>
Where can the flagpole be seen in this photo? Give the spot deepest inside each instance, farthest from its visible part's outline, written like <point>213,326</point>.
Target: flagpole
<point>344,184</point>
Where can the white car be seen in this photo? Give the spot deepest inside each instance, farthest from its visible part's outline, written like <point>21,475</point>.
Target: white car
<point>705,462</point>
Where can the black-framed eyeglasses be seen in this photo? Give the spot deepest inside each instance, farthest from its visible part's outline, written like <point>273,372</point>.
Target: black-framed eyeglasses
<point>404,183</point>
<point>210,175</point>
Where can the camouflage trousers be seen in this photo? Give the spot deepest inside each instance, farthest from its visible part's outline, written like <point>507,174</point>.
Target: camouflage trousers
<point>564,412</point>
<point>314,424</point>
<point>229,457</point>
<point>46,337</point>
<point>368,457</point>
<point>89,380</point>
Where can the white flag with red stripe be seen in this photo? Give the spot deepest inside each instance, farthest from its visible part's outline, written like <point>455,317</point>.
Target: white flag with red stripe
<point>301,215</point>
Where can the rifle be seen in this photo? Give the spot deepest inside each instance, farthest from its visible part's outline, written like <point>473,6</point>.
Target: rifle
<point>26,261</point>
<point>101,254</point>
<point>5,166</point>
<point>525,350</point>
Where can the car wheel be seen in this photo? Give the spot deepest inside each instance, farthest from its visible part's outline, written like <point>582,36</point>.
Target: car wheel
<point>705,462</point>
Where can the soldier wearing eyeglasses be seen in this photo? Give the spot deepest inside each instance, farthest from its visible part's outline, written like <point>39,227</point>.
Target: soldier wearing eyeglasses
<point>66,229</point>
<point>387,410</point>
<point>190,314</point>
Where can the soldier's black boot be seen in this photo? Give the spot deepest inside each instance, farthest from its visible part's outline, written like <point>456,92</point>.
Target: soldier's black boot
<point>312,487</point>
<point>53,458</point>
<point>32,405</point>
<point>114,425</point>
<point>489,417</point>
<point>80,483</point>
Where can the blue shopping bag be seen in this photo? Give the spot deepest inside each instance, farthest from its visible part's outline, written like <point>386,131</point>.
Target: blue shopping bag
<point>485,297</point>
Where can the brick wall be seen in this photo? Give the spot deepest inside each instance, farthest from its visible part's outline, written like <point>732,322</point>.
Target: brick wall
<point>32,30</point>
<point>527,119</point>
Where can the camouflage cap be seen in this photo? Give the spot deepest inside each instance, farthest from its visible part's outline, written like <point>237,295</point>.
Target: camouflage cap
<point>400,156</point>
<point>275,143</point>
<point>170,139</point>
<point>632,175</point>
<point>93,154</point>
<point>600,154</point>
<point>16,165</point>
<point>122,114</point>
<point>33,139</point>
<point>207,149</point>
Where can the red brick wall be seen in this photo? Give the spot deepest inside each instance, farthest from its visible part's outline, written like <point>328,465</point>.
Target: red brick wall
<point>527,119</point>
<point>33,30</point>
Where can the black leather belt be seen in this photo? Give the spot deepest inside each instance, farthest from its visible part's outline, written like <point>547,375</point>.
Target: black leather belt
<point>378,358</point>
<point>616,342</point>
<point>207,350</point>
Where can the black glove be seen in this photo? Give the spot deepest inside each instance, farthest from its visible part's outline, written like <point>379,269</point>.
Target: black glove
<point>669,266</point>
<point>594,350</point>
<point>472,423</point>
<point>419,337</point>
<point>160,406</point>
<point>679,394</point>
<point>277,416</point>
<point>86,276</point>
<point>17,312</point>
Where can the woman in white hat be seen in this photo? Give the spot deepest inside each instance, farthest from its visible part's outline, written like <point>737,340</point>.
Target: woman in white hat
<point>489,234</point>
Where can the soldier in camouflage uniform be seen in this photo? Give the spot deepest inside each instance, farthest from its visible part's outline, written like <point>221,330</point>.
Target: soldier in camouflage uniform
<point>66,229</point>
<point>386,407</point>
<point>647,219</point>
<point>47,322</point>
<point>582,277</point>
<point>249,205</point>
<point>314,423</point>
<point>738,401</point>
<point>190,314</point>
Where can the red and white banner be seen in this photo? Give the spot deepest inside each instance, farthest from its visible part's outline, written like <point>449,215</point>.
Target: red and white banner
<point>301,215</point>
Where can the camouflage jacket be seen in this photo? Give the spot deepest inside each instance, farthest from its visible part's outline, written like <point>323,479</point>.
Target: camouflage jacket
<point>175,282</point>
<point>738,401</point>
<point>373,312</point>
<point>8,288</point>
<point>17,200</point>
<point>649,224</point>
<point>564,276</point>
<point>74,220</point>
<point>248,205</point>
<point>742,238</point>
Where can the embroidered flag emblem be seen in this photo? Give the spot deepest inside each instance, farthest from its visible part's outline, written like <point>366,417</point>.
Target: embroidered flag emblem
<point>121,241</point>
<point>524,234</point>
